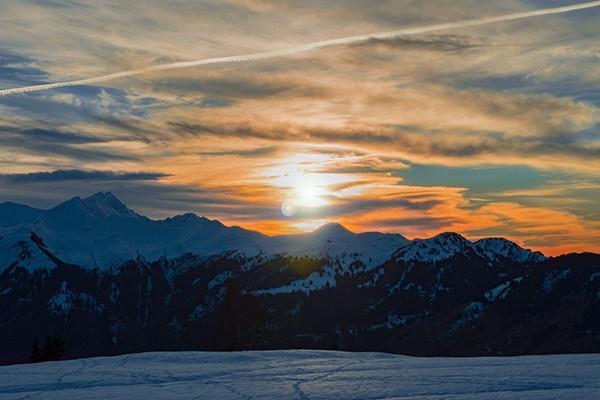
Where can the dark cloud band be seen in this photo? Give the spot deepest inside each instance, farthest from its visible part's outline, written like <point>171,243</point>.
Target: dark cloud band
<point>80,175</point>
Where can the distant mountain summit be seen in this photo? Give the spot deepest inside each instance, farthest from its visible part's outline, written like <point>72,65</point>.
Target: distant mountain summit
<point>336,241</point>
<point>105,204</point>
<point>500,247</point>
<point>78,212</point>
<point>332,229</point>
<point>440,247</point>
<point>100,231</point>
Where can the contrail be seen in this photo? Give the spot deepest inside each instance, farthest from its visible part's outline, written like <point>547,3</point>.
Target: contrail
<point>304,48</point>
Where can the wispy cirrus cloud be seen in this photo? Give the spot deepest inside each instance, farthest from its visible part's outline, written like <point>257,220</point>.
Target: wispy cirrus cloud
<point>290,51</point>
<point>455,127</point>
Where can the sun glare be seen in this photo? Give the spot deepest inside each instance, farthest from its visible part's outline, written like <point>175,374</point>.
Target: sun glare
<point>309,193</point>
<point>307,181</point>
<point>305,192</point>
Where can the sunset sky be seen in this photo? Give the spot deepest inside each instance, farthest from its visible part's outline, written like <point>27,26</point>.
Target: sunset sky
<point>486,131</point>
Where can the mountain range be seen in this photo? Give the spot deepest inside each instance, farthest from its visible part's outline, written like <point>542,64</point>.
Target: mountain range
<point>111,281</point>
<point>101,232</point>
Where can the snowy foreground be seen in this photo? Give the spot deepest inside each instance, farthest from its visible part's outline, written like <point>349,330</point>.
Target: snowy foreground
<point>304,375</point>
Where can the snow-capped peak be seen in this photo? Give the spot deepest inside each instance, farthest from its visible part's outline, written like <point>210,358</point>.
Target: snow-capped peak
<point>333,240</point>
<point>449,244</point>
<point>28,252</point>
<point>494,247</point>
<point>190,219</point>
<point>107,204</point>
<point>450,237</point>
<point>332,229</point>
<point>99,205</point>
<point>437,248</point>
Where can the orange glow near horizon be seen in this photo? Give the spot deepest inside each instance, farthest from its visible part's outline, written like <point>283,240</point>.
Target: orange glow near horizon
<point>484,131</point>
<point>392,207</point>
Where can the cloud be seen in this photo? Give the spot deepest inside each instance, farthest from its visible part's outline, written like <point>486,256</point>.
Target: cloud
<point>256,152</point>
<point>360,206</point>
<point>429,223</point>
<point>55,143</point>
<point>562,232</point>
<point>223,87</point>
<point>89,104</point>
<point>49,135</point>
<point>80,175</point>
<point>451,43</point>
<point>19,69</point>
<point>494,130</point>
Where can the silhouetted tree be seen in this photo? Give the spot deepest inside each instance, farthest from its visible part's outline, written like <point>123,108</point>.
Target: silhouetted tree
<point>35,351</point>
<point>54,349</point>
<point>231,316</point>
<point>241,318</point>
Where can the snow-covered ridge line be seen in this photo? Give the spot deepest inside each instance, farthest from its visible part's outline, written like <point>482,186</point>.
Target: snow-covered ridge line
<point>449,244</point>
<point>100,231</point>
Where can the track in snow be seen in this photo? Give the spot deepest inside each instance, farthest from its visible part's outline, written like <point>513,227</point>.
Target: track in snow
<point>304,375</point>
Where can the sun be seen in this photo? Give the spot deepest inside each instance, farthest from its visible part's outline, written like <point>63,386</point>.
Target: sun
<point>302,184</point>
<point>310,193</point>
<point>306,192</point>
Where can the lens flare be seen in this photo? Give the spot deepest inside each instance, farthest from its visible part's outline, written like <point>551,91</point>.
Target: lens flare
<point>289,208</point>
